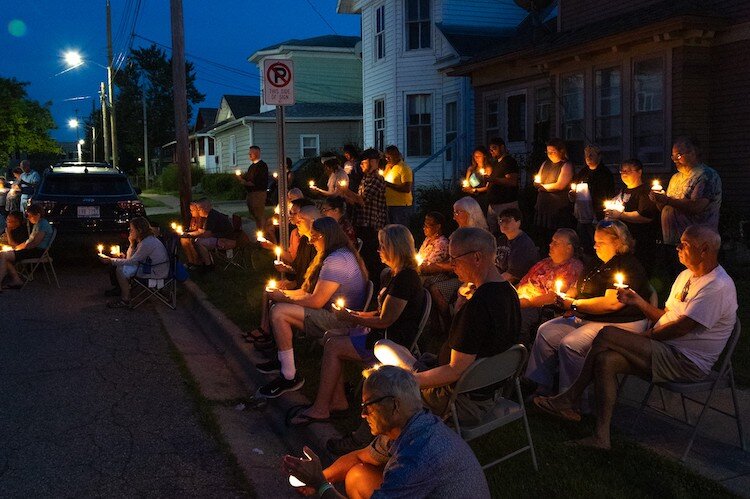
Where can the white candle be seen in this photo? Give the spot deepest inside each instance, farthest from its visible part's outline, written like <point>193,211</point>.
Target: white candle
<point>311,183</point>
<point>619,281</point>
<point>272,284</point>
<point>179,229</point>
<point>558,286</point>
<point>237,172</point>
<point>614,205</point>
<point>656,186</point>
<point>277,250</point>
<point>99,248</point>
<point>465,183</point>
<point>259,237</point>
<point>537,179</point>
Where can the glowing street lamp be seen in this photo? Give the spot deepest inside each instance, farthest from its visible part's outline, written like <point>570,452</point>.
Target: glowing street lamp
<point>73,59</point>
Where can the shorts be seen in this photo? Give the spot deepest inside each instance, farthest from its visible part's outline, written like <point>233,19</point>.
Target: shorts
<point>668,364</point>
<point>318,321</point>
<point>28,253</point>
<point>359,342</point>
<point>207,242</point>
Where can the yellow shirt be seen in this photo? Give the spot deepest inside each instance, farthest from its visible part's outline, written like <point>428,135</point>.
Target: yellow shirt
<point>399,174</point>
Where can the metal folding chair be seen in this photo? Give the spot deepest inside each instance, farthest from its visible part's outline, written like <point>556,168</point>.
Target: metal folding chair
<point>165,289</point>
<point>28,266</point>
<point>240,253</point>
<point>426,307</point>
<point>490,371</point>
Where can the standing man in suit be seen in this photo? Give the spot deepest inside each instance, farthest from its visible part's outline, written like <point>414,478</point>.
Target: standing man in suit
<point>255,180</point>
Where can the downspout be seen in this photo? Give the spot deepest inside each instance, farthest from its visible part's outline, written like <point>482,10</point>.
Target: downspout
<point>249,131</point>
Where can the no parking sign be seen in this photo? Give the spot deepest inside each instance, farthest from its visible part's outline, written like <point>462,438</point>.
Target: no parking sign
<point>278,82</point>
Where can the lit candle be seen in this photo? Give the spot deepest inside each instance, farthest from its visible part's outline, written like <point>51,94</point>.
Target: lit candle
<point>339,304</point>
<point>574,187</point>
<point>656,186</point>
<point>179,229</point>
<point>271,285</point>
<point>237,172</point>
<point>277,250</point>
<point>275,174</point>
<point>558,286</point>
<point>10,248</point>
<point>173,225</point>
<point>537,179</point>
<point>465,183</point>
<point>614,205</point>
<point>275,221</point>
<point>482,171</point>
<point>343,183</point>
<point>619,278</point>
<point>114,250</point>
<point>311,183</point>
<point>259,237</point>
<point>420,260</point>
<point>277,210</point>
<point>381,172</point>
<point>99,248</point>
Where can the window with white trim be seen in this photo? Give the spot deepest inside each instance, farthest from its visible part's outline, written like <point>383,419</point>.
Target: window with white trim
<point>572,119</point>
<point>608,114</point>
<point>233,150</point>
<point>648,111</point>
<point>378,117</point>
<point>419,125</point>
<point>492,129</point>
<point>417,24</point>
<point>309,146</point>
<point>379,44</point>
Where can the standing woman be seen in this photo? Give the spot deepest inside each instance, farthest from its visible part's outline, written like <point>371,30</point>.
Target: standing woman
<point>337,177</point>
<point>475,181</point>
<point>552,182</point>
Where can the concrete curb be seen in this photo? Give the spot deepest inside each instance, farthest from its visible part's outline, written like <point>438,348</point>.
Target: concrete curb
<point>226,337</point>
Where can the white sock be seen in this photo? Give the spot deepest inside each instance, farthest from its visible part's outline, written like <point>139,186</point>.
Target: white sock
<point>286,357</point>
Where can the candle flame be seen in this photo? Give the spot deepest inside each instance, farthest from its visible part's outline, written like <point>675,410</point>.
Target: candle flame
<point>277,250</point>
<point>482,171</point>
<point>465,183</point>
<point>100,248</point>
<point>381,172</point>
<point>275,174</point>
<point>420,260</point>
<point>558,286</point>
<point>173,225</point>
<point>277,210</point>
<point>538,179</point>
<point>259,236</point>
<point>573,186</point>
<point>619,280</point>
<point>312,183</point>
<point>343,183</point>
<point>340,303</point>
<point>237,172</point>
<point>272,284</point>
<point>114,249</point>
<point>275,221</point>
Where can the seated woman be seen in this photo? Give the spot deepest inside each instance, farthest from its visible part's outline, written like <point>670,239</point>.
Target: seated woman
<point>335,207</point>
<point>432,256</point>
<point>146,258</point>
<point>516,252</point>
<point>337,272</point>
<point>399,310</point>
<point>562,344</point>
<point>39,240</point>
<point>15,230</point>
<point>538,287</point>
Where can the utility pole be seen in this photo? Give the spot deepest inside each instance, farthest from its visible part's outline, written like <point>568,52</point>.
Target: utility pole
<point>180,107</point>
<point>93,130</point>
<point>105,122</point>
<point>109,84</point>
<point>145,138</point>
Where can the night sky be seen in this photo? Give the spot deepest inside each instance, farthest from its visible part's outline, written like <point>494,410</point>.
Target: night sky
<point>35,34</point>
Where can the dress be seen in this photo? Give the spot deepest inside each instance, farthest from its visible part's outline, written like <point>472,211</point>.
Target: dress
<point>552,209</point>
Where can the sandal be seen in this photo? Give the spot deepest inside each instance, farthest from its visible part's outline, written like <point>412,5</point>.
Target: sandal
<point>303,419</point>
<point>543,404</point>
<point>296,410</point>
<point>119,303</point>
<point>256,334</point>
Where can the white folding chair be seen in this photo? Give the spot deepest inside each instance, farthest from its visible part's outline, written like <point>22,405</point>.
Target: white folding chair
<point>717,379</point>
<point>486,372</point>
<point>426,307</point>
<point>27,267</point>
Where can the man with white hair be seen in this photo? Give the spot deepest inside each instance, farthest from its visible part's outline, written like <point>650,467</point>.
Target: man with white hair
<point>28,181</point>
<point>687,338</point>
<point>414,453</point>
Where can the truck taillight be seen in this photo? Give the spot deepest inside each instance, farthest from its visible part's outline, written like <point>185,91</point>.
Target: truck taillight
<point>130,205</point>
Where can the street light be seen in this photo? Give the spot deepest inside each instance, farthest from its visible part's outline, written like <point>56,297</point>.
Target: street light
<point>73,59</point>
<point>73,123</point>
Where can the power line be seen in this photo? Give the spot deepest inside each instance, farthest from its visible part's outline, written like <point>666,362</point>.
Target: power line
<point>321,16</point>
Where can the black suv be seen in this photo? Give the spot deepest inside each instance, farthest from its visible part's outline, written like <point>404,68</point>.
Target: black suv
<point>91,198</point>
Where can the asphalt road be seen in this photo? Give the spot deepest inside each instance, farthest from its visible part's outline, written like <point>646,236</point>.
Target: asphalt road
<point>92,402</point>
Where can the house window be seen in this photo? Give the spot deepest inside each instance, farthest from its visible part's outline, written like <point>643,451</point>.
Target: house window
<point>233,150</point>
<point>378,115</point>
<point>419,125</point>
<point>516,118</point>
<point>380,32</point>
<point>572,121</point>
<point>543,105</point>
<point>309,146</point>
<point>493,120</point>
<point>608,118</point>
<point>451,127</point>
<point>648,111</point>
<point>417,24</point>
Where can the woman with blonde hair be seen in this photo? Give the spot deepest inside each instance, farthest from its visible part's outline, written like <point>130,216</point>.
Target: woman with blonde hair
<point>400,304</point>
<point>562,344</point>
<point>336,272</point>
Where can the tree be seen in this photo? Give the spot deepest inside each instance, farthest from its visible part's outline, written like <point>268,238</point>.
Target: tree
<point>148,71</point>
<point>24,123</point>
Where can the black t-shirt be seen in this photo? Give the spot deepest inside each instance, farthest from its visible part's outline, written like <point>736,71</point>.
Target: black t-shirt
<point>598,277</point>
<point>257,173</point>
<point>517,256</point>
<point>601,186</point>
<point>406,285</point>
<point>219,224</point>
<point>304,257</point>
<point>636,199</point>
<point>501,194</point>
<point>488,324</point>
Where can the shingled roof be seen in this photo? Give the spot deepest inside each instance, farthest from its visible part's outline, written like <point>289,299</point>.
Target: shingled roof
<point>336,41</point>
<point>243,105</point>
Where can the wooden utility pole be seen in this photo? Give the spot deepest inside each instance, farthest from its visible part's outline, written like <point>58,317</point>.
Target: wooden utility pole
<point>180,108</point>
<point>113,121</point>
<point>105,122</point>
<point>145,139</point>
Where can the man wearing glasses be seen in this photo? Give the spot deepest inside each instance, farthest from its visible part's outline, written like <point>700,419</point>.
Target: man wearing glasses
<point>693,196</point>
<point>414,453</point>
<point>687,338</point>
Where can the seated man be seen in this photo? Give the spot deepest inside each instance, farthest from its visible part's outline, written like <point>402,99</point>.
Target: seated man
<point>687,338</point>
<point>488,324</point>
<point>215,225</point>
<point>414,454</point>
<point>38,241</point>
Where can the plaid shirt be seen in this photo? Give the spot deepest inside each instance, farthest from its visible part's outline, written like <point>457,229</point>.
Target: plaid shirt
<point>374,212</point>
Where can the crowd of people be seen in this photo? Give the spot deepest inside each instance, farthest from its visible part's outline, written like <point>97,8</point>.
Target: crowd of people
<point>579,297</point>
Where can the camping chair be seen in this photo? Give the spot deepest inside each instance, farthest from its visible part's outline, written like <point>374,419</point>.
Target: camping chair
<point>368,296</point>
<point>489,371</point>
<point>237,251</point>
<point>27,267</point>
<point>165,290</point>
<point>359,245</point>
<point>721,378</point>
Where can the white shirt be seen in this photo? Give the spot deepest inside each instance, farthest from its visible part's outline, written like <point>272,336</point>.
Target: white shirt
<point>711,301</point>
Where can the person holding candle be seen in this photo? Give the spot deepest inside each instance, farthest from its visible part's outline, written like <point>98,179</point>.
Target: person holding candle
<point>13,197</point>
<point>146,258</point>
<point>337,271</point>
<point>561,344</point>
<point>502,182</point>
<point>196,222</point>
<point>476,178</point>
<point>639,213</point>
<point>15,231</point>
<point>538,292</point>
<point>335,207</point>
<point>435,266</point>
<point>213,225</point>
<point>594,185</point>
<point>552,209</point>
<point>399,180</point>
<point>336,175</point>
<point>400,304</point>
<point>33,247</point>
<point>684,343</point>
<point>255,181</point>
<point>352,166</point>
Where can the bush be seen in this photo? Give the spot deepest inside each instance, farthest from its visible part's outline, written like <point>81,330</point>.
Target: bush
<point>168,180</point>
<point>222,186</point>
<point>434,198</point>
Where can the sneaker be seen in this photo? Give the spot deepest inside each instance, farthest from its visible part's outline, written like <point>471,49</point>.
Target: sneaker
<point>270,367</point>
<point>280,386</point>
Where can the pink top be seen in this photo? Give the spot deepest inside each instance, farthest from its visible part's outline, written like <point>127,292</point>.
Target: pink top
<point>434,249</point>
<point>542,276</point>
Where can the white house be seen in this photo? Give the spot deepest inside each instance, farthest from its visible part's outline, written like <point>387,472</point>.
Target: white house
<point>408,99</point>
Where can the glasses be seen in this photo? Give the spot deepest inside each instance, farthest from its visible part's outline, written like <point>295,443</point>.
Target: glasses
<point>365,406</point>
<point>326,210</point>
<point>677,157</point>
<point>623,172</point>
<point>507,220</point>
<point>315,237</point>
<point>452,259</point>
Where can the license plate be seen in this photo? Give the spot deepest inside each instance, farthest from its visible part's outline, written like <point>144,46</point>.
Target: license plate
<point>88,212</point>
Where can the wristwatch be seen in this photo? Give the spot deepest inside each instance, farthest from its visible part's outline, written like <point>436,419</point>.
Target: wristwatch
<point>573,306</point>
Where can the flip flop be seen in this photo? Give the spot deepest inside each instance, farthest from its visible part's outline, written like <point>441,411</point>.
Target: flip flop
<point>256,334</point>
<point>305,420</point>
<point>296,410</point>
<point>542,403</point>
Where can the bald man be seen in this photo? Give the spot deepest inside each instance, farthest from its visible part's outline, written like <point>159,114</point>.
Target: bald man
<point>687,338</point>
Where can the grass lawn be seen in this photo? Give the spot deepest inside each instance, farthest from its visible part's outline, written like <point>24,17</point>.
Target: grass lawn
<point>627,471</point>
<point>150,202</point>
